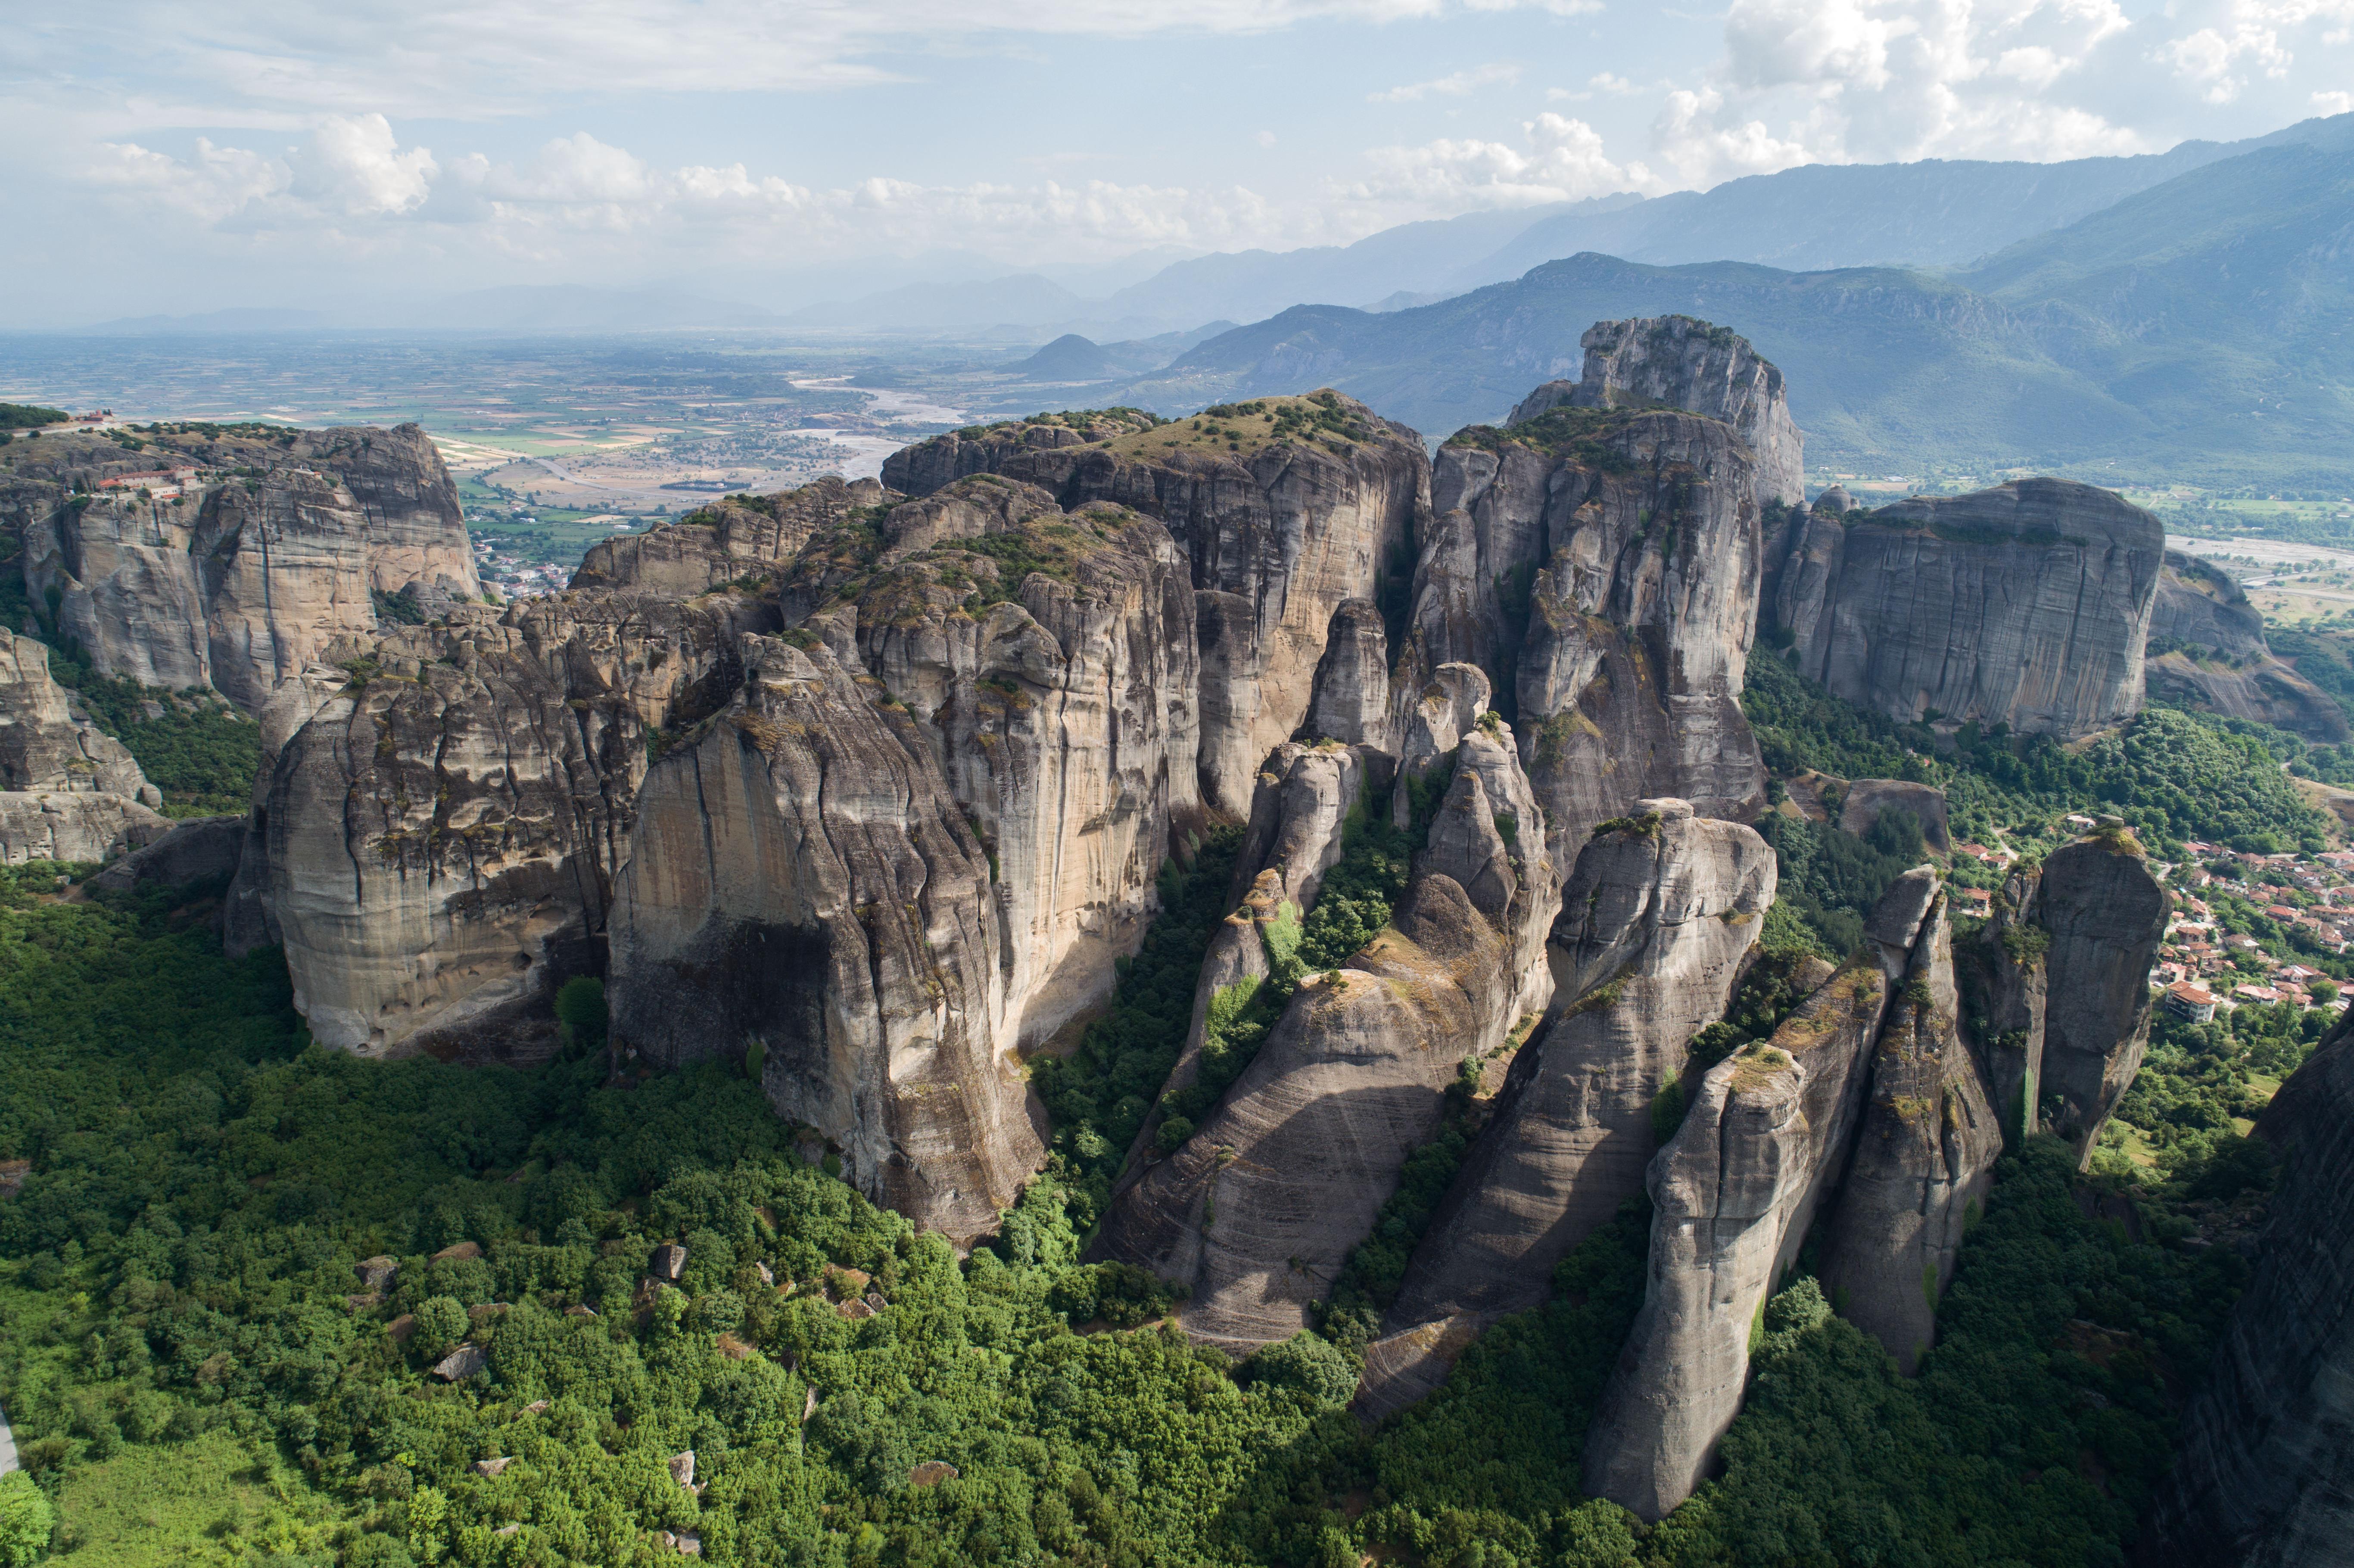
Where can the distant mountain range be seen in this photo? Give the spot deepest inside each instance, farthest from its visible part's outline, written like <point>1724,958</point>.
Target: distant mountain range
<point>2201,329</point>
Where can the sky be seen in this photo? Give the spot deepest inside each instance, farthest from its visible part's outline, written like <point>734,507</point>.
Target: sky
<point>170,157</point>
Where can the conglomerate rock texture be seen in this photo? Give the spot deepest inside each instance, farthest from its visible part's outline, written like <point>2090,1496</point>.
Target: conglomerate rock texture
<point>2027,605</point>
<point>1680,362</point>
<point>2264,1475</point>
<point>2104,912</point>
<point>1276,535</point>
<point>740,536</point>
<point>268,554</point>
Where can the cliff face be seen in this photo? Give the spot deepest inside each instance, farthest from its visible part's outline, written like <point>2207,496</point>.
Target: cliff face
<point>43,746</point>
<point>1634,538</point>
<point>68,791</point>
<point>2026,605</point>
<point>2264,1473</point>
<point>266,561</point>
<point>1732,1195</point>
<point>803,880</point>
<point>439,843</point>
<point>2104,912</point>
<point>1687,364</point>
<point>1654,923</point>
<point>1301,507</point>
<point>2207,648</point>
<point>1925,1151</point>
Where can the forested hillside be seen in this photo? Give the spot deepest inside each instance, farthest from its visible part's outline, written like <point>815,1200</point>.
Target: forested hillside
<point>185,1296</point>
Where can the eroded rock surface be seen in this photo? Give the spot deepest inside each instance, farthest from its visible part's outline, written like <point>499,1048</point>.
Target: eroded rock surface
<point>2027,605</point>
<point>1278,531</point>
<point>1258,1211</point>
<point>1687,364</point>
<point>1732,1193</point>
<point>244,559</point>
<point>2106,914</point>
<point>2263,1474</point>
<point>803,878</point>
<point>45,746</point>
<point>741,537</point>
<point>1925,1151</point>
<point>2207,648</point>
<point>1654,922</point>
<point>1601,565</point>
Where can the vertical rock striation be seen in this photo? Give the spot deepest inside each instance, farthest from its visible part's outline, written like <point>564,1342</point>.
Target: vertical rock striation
<point>45,745</point>
<point>1926,1147</point>
<point>1732,1193</point>
<point>2105,914</point>
<point>803,879</point>
<point>1654,923</point>
<point>1601,567</point>
<point>1305,508</point>
<point>2027,605</point>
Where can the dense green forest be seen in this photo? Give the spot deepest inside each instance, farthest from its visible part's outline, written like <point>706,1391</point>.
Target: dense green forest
<point>197,1371</point>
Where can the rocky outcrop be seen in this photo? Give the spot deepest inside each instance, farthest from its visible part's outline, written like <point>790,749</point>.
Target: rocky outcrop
<point>1602,568</point>
<point>1925,1151</point>
<point>1352,701</point>
<point>73,826</point>
<point>2105,914</point>
<point>2006,995</point>
<point>439,838</point>
<point>1257,1212</point>
<point>2265,1469</point>
<point>1732,1195</point>
<point>2025,605</point>
<point>743,537</point>
<point>1681,363</point>
<point>200,849</point>
<point>266,556</point>
<point>803,880</point>
<point>2207,649</point>
<point>1866,798</point>
<point>1305,506</point>
<point>45,746</point>
<point>1654,924</point>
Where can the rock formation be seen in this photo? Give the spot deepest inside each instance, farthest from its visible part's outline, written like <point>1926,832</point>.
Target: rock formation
<point>2104,912</point>
<point>2026,605</point>
<point>265,555</point>
<point>740,536</point>
<point>1256,1212</point>
<point>46,746</point>
<point>1680,362</point>
<point>1732,1193</point>
<point>2264,1475</point>
<point>1925,1149</point>
<point>439,838</point>
<point>1304,507</point>
<point>2207,648</point>
<point>1655,921</point>
<point>802,878</point>
<point>1601,566</point>
<point>68,791</point>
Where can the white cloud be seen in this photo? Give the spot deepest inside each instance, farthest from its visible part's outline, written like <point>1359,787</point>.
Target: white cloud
<point>355,164</point>
<point>1560,160</point>
<point>1455,85</point>
<point>2333,102</point>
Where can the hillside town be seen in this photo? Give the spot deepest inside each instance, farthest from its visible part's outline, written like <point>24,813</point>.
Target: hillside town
<point>2255,928</point>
